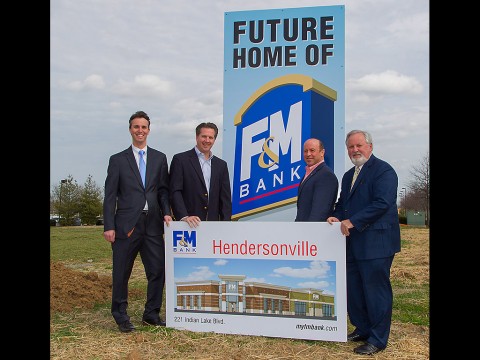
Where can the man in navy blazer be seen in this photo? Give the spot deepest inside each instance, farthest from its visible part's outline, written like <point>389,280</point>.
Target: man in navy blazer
<point>318,189</point>
<point>199,181</point>
<point>367,210</point>
<point>133,215</point>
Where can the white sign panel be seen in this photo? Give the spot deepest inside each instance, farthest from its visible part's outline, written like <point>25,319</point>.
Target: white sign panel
<point>277,279</point>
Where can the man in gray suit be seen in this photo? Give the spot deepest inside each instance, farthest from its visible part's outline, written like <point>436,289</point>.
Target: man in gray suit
<point>134,210</point>
<point>318,190</point>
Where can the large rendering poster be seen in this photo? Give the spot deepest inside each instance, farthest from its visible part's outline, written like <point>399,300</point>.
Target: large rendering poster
<point>284,82</point>
<point>273,279</point>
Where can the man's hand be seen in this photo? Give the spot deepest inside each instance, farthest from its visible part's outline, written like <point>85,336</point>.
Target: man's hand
<point>332,219</point>
<point>345,227</point>
<point>167,219</point>
<point>109,235</point>
<point>192,221</point>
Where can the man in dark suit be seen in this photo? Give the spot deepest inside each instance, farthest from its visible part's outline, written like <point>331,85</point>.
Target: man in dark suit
<point>199,181</point>
<point>318,190</point>
<point>367,210</point>
<point>134,209</point>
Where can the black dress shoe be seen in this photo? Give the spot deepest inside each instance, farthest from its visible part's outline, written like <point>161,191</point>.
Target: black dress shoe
<point>126,326</point>
<point>366,349</point>
<point>356,337</point>
<point>158,322</point>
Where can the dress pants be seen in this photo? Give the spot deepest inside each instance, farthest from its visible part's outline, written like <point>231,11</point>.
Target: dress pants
<point>370,298</point>
<point>152,253</point>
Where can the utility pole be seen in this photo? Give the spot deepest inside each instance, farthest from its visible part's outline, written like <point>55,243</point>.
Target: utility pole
<point>63,181</point>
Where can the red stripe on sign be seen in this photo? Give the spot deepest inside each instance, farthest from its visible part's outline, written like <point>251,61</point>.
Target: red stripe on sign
<point>269,193</point>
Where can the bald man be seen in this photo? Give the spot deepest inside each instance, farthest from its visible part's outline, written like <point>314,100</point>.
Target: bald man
<point>318,190</point>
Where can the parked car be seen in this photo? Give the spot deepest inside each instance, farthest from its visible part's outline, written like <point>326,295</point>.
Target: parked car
<point>56,221</point>
<point>99,221</point>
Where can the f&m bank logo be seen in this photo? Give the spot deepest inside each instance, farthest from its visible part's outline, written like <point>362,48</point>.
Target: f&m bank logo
<point>185,242</point>
<point>271,127</point>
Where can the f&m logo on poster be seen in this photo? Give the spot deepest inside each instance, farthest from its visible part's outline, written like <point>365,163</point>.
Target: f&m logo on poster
<point>271,127</point>
<point>185,242</point>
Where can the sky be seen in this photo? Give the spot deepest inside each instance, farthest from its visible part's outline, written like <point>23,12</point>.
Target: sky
<point>110,58</point>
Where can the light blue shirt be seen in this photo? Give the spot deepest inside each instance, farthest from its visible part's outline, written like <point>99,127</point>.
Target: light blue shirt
<point>206,166</point>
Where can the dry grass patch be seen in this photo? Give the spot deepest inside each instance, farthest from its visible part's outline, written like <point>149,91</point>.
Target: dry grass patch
<point>412,264</point>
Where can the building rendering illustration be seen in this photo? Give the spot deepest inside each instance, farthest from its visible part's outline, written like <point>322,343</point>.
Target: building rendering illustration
<point>232,294</point>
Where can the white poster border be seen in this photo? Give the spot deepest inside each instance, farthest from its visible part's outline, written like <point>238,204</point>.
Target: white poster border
<point>197,261</point>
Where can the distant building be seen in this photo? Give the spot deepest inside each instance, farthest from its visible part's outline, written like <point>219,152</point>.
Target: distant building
<point>416,218</point>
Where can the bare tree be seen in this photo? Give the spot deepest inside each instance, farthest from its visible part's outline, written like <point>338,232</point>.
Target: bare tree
<point>418,195</point>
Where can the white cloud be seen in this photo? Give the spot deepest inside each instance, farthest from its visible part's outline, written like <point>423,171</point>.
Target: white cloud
<point>142,85</point>
<point>220,262</point>
<point>93,81</point>
<point>202,273</point>
<point>384,83</point>
<point>317,269</point>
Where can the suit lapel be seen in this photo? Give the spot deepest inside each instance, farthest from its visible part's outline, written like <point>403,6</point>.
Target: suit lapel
<point>196,166</point>
<point>303,182</point>
<point>361,175</point>
<point>300,186</point>
<point>133,164</point>
<point>215,171</point>
<point>150,164</point>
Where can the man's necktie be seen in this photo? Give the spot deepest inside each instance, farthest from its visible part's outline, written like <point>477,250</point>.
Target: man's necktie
<point>142,166</point>
<point>355,174</point>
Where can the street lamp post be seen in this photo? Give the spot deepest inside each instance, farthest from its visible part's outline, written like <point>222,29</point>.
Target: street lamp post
<point>63,181</point>
<point>400,195</point>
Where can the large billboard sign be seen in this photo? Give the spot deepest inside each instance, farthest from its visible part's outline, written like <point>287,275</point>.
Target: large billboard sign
<point>283,83</point>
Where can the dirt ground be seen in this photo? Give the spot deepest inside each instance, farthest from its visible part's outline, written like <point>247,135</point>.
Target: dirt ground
<point>76,288</point>
<point>72,289</point>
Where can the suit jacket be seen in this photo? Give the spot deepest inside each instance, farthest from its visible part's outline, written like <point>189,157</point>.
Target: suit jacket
<point>317,195</point>
<point>125,195</point>
<point>371,206</point>
<point>188,191</point>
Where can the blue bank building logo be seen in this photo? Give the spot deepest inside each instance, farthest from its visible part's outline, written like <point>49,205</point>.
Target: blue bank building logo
<point>271,127</point>
<point>185,242</point>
